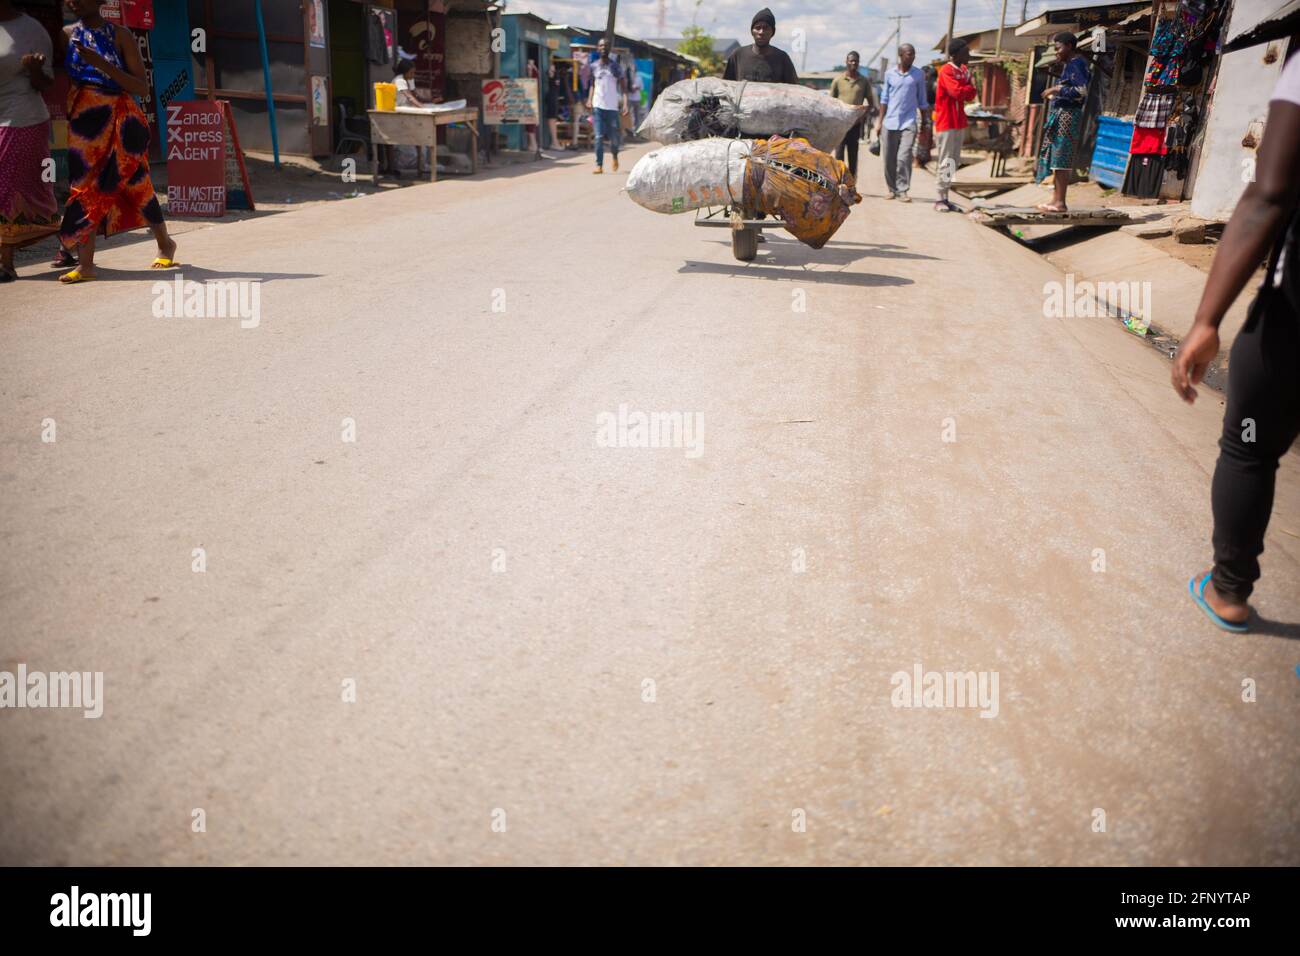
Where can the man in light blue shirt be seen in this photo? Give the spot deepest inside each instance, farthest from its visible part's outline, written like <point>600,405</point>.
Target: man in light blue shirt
<point>902,100</point>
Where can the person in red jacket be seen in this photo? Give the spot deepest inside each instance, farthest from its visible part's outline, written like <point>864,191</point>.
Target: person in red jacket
<point>953,91</point>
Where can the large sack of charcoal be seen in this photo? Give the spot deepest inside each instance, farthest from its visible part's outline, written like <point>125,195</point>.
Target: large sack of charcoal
<point>810,191</point>
<point>697,109</point>
<point>688,176</point>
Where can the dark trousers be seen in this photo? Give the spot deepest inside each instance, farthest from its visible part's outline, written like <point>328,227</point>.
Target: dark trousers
<point>1260,422</point>
<point>850,146</point>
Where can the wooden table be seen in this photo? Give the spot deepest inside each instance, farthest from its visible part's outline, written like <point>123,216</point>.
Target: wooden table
<point>418,128</point>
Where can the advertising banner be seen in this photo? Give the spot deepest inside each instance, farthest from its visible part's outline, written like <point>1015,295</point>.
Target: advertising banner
<point>196,159</point>
<point>510,100</point>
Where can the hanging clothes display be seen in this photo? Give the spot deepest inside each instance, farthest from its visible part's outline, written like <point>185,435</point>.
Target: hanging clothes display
<point>379,37</point>
<point>1147,142</point>
<point>1154,110</point>
<point>1168,45</point>
<point>1179,136</point>
<point>1143,177</point>
<point>1183,44</point>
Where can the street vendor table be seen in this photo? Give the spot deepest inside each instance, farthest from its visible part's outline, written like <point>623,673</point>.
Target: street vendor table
<point>418,128</point>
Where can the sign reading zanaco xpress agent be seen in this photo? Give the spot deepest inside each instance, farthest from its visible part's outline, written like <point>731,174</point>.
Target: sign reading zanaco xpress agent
<point>196,159</point>
<point>508,100</point>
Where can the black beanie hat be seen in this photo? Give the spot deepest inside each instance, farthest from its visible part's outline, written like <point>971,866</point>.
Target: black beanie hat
<point>763,15</point>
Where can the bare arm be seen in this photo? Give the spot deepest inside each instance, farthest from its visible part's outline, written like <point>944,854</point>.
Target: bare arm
<point>132,79</point>
<point>130,50</point>
<point>1261,213</point>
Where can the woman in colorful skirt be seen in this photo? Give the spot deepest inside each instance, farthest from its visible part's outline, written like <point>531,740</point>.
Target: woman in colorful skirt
<point>1064,123</point>
<point>28,211</point>
<point>108,141</point>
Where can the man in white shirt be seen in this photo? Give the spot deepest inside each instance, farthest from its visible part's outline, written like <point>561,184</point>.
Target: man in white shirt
<point>607,102</point>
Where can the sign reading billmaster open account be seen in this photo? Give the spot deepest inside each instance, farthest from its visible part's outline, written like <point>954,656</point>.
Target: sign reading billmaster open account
<point>196,159</point>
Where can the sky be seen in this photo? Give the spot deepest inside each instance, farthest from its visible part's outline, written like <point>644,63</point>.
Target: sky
<point>831,27</point>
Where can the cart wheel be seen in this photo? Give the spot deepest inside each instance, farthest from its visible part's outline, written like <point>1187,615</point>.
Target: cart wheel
<point>744,243</point>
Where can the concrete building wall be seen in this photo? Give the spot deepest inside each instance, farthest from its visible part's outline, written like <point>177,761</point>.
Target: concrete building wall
<point>1236,117</point>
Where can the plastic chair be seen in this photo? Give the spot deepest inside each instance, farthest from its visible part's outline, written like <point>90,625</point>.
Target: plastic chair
<point>347,134</point>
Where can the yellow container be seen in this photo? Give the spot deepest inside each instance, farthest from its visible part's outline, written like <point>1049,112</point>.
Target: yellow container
<point>386,97</point>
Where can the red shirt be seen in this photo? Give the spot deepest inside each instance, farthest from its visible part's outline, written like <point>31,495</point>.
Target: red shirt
<point>953,89</point>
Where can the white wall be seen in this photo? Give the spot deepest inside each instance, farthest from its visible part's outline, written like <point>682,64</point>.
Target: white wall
<point>1240,106</point>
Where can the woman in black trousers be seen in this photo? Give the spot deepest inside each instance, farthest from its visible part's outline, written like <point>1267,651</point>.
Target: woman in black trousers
<point>1262,417</point>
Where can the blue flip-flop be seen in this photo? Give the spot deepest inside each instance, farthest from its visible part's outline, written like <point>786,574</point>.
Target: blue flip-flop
<point>1198,595</point>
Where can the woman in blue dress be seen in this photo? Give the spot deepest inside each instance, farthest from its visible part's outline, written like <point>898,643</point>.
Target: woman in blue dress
<point>1064,122</point>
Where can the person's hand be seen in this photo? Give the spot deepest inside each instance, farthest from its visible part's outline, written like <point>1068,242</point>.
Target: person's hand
<point>1051,92</point>
<point>93,57</point>
<point>623,110</point>
<point>33,62</point>
<point>1195,353</point>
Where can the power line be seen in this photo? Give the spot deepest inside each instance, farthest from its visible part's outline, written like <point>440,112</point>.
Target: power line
<point>898,32</point>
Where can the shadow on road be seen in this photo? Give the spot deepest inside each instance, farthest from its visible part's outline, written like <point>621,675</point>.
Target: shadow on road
<point>188,273</point>
<point>1266,628</point>
<point>771,268</point>
<point>781,251</point>
<point>835,254</point>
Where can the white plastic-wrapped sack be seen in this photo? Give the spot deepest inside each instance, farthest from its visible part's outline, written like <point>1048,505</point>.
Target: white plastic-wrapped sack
<point>685,176</point>
<point>696,109</point>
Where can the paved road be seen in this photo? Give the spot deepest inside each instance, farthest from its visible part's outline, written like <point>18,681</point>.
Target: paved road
<point>500,587</point>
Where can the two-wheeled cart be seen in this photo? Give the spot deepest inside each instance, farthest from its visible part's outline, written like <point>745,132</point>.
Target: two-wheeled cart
<point>743,225</point>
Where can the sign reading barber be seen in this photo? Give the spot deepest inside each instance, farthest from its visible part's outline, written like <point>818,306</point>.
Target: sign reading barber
<point>196,159</point>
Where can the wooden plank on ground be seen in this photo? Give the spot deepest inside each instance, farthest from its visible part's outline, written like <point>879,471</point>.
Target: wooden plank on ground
<point>998,216</point>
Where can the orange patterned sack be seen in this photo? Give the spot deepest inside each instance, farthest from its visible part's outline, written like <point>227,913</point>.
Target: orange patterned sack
<point>810,191</point>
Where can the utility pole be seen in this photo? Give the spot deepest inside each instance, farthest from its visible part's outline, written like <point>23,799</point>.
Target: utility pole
<point>1001,22</point>
<point>952,16</point>
<point>609,26</point>
<point>898,32</point>
<point>898,26</point>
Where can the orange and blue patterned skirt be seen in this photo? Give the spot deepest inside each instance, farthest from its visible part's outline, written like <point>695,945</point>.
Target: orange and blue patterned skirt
<point>108,165</point>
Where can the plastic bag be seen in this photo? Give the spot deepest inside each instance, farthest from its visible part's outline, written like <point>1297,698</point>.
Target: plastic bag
<point>688,176</point>
<point>697,109</point>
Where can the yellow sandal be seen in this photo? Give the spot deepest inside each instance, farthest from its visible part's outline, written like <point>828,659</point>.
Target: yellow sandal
<point>75,276</point>
<point>163,262</point>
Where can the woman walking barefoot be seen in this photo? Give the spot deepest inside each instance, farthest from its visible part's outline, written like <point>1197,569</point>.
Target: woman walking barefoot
<point>28,209</point>
<point>108,141</point>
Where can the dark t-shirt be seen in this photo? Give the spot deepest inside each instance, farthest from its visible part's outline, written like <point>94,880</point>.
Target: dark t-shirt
<point>768,65</point>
